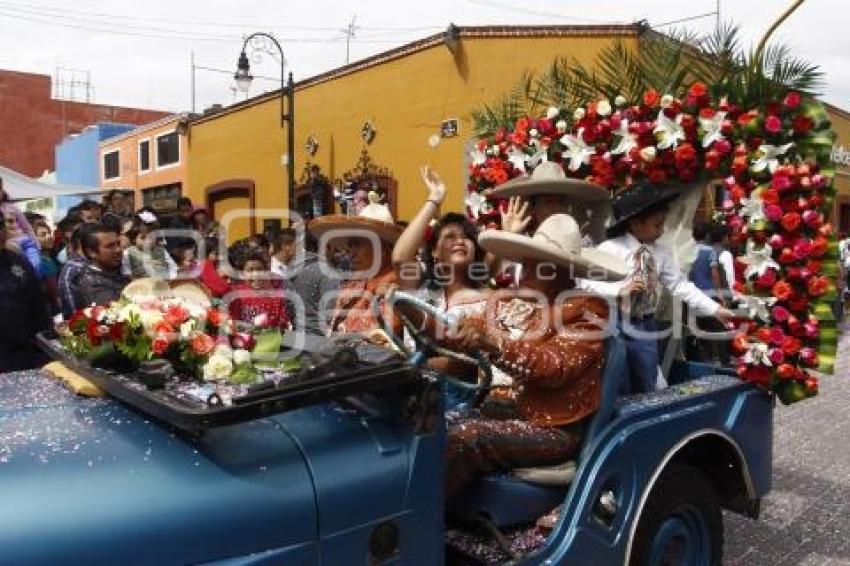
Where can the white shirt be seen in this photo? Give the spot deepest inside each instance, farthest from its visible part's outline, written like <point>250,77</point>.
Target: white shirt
<point>279,268</point>
<point>727,262</point>
<point>670,275</point>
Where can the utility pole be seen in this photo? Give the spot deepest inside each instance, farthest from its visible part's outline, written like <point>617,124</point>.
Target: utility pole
<point>349,35</point>
<point>717,17</point>
<point>192,63</point>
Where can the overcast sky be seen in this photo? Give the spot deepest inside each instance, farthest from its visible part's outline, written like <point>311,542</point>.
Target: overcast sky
<point>138,52</point>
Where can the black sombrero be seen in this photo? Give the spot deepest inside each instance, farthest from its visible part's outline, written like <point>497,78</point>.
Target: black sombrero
<point>631,202</point>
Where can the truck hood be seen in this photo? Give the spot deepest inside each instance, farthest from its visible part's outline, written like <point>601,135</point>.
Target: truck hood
<point>93,480</point>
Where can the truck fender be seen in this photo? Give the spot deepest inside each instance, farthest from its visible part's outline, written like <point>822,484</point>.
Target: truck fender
<point>720,459</point>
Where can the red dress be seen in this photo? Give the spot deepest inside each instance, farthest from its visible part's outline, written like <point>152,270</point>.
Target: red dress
<point>217,284</point>
<point>250,303</point>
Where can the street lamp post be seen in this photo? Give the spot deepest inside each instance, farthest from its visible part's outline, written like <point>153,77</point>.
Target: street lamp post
<point>243,79</point>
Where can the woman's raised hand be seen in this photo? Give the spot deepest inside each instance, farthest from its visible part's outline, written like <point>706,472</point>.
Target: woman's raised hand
<point>436,187</point>
<point>515,218</point>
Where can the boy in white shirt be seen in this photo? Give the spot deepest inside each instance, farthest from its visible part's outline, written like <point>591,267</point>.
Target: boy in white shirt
<point>638,222</point>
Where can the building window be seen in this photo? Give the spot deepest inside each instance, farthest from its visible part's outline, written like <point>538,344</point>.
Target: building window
<point>144,155</point>
<point>163,199</point>
<point>167,149</point>
<point>111,165</point>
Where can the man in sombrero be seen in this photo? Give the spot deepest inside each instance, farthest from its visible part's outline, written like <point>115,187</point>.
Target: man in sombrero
<point>368,238</point>
<point>552,350</point>
<point>638,222</point>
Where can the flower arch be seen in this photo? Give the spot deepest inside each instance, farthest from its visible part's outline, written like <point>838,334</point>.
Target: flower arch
<point>773,160</point>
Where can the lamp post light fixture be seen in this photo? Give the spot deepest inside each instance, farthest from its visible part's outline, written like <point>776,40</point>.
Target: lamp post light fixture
<point>243,78</point>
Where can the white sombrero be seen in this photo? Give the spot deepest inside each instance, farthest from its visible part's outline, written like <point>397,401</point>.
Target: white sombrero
<point>375,217</point>
<point>557,240</point>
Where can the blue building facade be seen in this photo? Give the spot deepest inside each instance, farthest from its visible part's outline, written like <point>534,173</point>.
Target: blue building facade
<point>78,159</point>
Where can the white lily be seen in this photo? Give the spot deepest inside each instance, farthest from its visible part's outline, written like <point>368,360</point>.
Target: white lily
<point>478,157</point>
<point>539,156</point>
<point>628,140</point>
<point>753,207</point>
<point>671,131</point>
<point>758,260</point>
<point>758,354</point>
<point>770,157</point>
<point>475,202</point>
<point>711,127</point>
<point>757,307</point>
<point>518,159</point>
<point>577,151</point>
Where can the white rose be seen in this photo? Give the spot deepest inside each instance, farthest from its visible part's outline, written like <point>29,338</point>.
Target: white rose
<point>218,368</point>
<point>241,357</point>
<point>579,113</point>
<point>620,100</point>
<point>603,108</point>
<point>128,311</point>
<point>261,320</point>
<point>648,153</point>
<point>186,328</point>
<point>533,132</point>
<point>223,350</point>
<point>150,318</point>
<point>561,126</point>
<point>552,113</point>
<point>667,101</point>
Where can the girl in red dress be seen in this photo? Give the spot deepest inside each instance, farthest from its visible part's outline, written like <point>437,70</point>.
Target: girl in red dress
<point>259,299</point>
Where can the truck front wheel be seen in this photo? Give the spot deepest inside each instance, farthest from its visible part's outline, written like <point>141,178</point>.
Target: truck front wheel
<point>681,523</point>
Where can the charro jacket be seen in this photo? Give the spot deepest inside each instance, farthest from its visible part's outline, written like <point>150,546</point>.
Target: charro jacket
<point>554,357</point>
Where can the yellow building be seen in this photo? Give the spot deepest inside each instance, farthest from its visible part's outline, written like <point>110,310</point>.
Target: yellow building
<point>404,96</point>
<point>148,161</point>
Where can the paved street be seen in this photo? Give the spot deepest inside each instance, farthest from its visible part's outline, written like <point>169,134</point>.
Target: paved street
<point>805,519</point>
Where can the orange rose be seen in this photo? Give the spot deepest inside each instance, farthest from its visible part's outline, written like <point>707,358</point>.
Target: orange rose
<point>782,290</point>
<point>163,327</point>
<point>175,315</point>
<point>651,98</point>
<point>791,345</point>
<point>786,371</point>
<point>817,286</point>
<point>203,344</point>
<point>697,89</point>
<point>791,221</point>
<point>770,196</point>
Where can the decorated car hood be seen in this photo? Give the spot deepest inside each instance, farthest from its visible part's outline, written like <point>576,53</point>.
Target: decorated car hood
<point>92,480</point>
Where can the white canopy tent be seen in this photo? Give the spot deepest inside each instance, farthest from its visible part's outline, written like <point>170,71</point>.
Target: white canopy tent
<point>20,187</point>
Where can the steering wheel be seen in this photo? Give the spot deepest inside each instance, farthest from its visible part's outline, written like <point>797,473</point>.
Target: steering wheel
<point>426,347</point>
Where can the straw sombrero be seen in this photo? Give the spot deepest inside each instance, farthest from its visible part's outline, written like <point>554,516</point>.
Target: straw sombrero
<point>548,178</point>
<point>556,240</point>
<point>375,217</point>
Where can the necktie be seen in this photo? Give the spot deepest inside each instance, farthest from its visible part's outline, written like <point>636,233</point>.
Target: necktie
<point>646,268</point>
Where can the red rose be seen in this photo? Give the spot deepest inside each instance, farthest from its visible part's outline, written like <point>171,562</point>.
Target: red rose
<point>817,286</point>
<point>773,124</point>
<point>162,328</point>
<point>651,98</point>
<point>757,374</point>
<point>786,371</point>
<point>791,345</point>
<point>782,290</point>
<point>215,316</point>
<point>697,90</point>
<point>740,344</point>
<point>802,124</point>
<point>519,137</point>
<point>820,246</point>
<point>767,279</point>
<point>176,315</point>
<point>657,176</point>
<point>791,221</point>
<point>116,331</point>
<point>798,303</point>
<point>763,334</point>
<point>202,344</point>
<point>159,345</point>
<point>811,384</point>
<point>522,124</point>
<point>792,100</point>
<point>786,256</point>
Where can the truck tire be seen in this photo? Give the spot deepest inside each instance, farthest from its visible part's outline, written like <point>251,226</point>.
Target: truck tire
<point>681,523</point>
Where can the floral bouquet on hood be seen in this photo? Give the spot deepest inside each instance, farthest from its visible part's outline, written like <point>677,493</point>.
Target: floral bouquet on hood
<point>200,342</point>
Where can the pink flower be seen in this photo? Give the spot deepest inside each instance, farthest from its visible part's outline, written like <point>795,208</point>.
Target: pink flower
<point>809,356</point>
<point>773,124</point>
<point>812,330</point>
<point>773,212</point>
<point>818,180</point>
<point>777,242</point>
<point>243,341</point>
<point>780,314</point>
<point>735,222</point>
<point>792,100</point>
<point>811,218</point>
<point>781,182</point>
<point>802,249</point>
<point>723,146</point>
<point>776,356</point>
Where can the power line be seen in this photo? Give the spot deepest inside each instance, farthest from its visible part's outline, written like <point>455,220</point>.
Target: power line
<point>42,9</point>
<point>688,19</point>
<point>527,11</point>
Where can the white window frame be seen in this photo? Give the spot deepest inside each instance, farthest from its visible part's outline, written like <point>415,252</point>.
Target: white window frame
<point>179,151</point>
<point>103,163</point>
<point>139,156</point>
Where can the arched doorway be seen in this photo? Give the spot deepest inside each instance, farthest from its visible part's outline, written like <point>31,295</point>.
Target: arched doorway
<point>224,199</point>
<point>366,176</point>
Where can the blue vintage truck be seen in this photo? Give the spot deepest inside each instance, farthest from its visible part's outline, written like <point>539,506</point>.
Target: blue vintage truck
<point>347,469</point>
